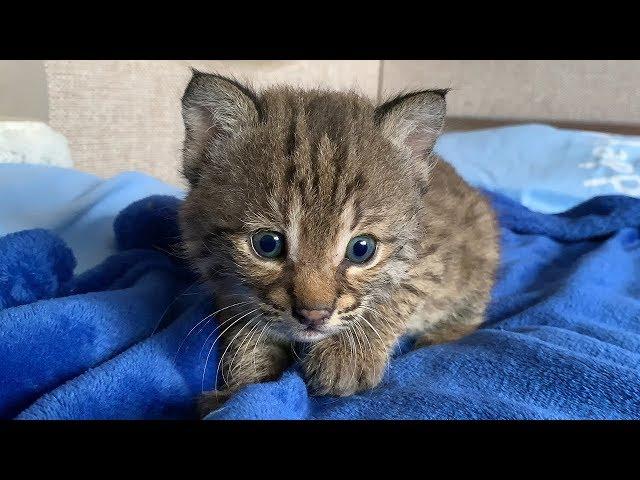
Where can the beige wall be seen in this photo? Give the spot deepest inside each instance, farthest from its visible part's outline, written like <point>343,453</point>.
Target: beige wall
<point>495,92</point>
<point>23,83</point>
<point>125,115</point>
<point>23,90</point>
<point>595,94</point>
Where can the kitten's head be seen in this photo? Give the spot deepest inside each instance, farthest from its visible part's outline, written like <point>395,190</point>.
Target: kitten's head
<point>304,204</point>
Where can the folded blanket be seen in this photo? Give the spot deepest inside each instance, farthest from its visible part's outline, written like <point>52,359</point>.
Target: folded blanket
<point>126,339</point>
<point>546,169</point>
<point>76,206</point>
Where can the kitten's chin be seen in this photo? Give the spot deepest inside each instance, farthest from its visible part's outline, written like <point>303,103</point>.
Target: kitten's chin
<point>309,336</point>
<point>297,333</point>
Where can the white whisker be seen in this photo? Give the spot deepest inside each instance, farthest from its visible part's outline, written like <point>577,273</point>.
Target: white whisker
<point>293,349</point>
<point>352,346</point>
<point>220,360</point>
<point>266,326</point>
<point>196,325</point>
<point>218,327</point>
<point>372,328</point>
<point>245,343</point>
<point>214,343</point>
<point>170,305</point>
<point>364,335</point>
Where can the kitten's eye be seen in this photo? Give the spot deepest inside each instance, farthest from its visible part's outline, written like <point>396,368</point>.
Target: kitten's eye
<point>361,248</point>
<point>267,244</point>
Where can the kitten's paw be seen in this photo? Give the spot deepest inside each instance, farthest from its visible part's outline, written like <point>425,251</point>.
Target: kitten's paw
<point>250,364</point>
<point>213,400</point>
<point>332,368</point>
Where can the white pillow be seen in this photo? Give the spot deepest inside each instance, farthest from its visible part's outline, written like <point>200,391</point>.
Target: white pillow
<point>33,142</point>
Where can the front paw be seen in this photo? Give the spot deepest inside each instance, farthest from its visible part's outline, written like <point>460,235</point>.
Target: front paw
<point>213,400</point>
<point>334,367</point>
<point>244,364</point>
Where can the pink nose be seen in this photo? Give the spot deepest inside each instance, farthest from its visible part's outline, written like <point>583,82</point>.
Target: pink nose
<point>312,318</point>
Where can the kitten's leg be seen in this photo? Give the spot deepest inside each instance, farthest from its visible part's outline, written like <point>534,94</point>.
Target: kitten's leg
<point>352,360</point>
<point>455,325</point>
<point>249,356</point>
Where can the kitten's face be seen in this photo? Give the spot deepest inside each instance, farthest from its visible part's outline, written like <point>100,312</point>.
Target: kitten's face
<point>309,212</point>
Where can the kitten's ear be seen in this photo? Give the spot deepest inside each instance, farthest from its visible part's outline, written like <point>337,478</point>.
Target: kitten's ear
<point>214,109</point>
<point>413,121</point>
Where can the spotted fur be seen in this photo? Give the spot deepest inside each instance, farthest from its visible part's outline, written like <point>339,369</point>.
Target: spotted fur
<point>321,167</point>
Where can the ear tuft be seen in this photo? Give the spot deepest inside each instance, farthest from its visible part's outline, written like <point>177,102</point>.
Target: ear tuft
<point>215,109</point>
<point>413,121</point>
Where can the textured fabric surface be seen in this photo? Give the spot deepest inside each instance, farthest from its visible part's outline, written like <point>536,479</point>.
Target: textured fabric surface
<point>126,339</point>
<point>546,169</point>
<point>76,206</point>
<point>124,115</point>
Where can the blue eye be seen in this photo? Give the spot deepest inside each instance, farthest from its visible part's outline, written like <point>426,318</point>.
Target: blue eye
<point>267,244</point>
<point>361,248</point>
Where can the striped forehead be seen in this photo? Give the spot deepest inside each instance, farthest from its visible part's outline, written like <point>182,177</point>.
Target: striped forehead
<point>316,234</point>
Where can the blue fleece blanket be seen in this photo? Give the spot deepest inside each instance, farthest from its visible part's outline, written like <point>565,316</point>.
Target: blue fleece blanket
<point>122,340</point>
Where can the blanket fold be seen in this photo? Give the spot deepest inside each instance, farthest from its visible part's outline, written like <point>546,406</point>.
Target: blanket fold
<point>131,338</point>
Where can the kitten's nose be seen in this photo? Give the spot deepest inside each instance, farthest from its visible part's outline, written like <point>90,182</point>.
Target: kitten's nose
<point>312,318</point>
